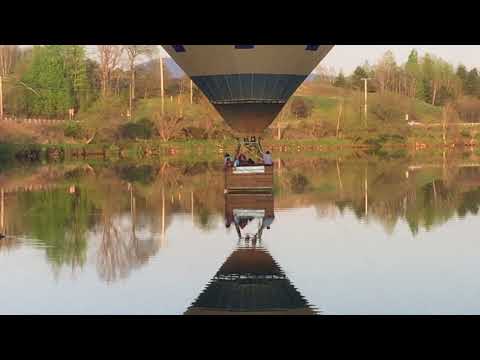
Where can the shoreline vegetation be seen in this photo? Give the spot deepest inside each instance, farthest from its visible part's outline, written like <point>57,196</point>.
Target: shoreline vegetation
<point>110,106</point>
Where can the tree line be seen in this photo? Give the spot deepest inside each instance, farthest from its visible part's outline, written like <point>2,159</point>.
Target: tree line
<point>49,80</point>
<point>428,78</point>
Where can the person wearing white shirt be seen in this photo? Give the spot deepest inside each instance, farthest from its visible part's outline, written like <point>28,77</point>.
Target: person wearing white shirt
<point>267,158</point>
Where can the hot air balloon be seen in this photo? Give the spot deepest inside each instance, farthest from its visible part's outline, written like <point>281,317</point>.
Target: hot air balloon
<point>248,84</point>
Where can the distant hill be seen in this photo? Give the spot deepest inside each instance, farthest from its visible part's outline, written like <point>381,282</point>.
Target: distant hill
<point>173,68</point>
<point>177,72</point>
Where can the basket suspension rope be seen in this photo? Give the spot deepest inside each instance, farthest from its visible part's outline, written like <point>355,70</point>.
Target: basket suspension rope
<point>252,144</point>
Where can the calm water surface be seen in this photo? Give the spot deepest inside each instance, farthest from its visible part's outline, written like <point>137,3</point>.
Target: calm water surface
<point>339,236</point>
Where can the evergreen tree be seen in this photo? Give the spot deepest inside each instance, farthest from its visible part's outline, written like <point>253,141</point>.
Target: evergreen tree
<point>428,74</point>
<point>357,77</point>
<point>412,67</point>
<point>472,84</point>
<point>462,75</point>
<point>340,80</point>
<point>421,91</point>
<point>414,73</point>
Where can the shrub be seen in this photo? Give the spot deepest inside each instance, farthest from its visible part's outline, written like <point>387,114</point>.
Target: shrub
<point>386,112</point>
<point>74,130</point>
<point>142,129</point>
<point>142,174</point>
<point>192,132</point>
<point>299,183</point>
<point>465,133</point>
<point>301,107</point>
<point>105,117</point>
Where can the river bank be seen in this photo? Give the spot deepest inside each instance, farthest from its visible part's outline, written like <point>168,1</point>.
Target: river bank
<point>210,149</point>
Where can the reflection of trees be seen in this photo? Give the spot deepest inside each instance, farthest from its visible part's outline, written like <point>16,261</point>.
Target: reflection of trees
<point>427,198</point>
<point>114,258</point>
<point>120,249</point>
<point>58,220</point>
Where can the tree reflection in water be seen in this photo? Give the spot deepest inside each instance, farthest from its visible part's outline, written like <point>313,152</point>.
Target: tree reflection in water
<point>129,208</point>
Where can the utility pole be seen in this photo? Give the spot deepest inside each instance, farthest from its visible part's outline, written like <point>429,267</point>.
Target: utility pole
<point>191,199</point>
<point>366,193</point>
<point>161,85</point>
<point>365,90</point>
<point>163,217</point>
<point>130,101</point>
<point>1,97</point>
<point>191,92</point>
<point>2,212</point>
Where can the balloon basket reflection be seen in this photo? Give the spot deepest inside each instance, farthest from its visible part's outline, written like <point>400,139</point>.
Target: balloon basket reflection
<point>250,214</point>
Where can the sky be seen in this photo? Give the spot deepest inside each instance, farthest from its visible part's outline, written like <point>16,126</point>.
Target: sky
<point>347,57</point>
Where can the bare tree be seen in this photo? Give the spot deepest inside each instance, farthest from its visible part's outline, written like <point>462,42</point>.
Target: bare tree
<point>135,52</point>
<point>9,54</point>
<point>109,56</point>
<point>384,71</point>
<point>168,125</point>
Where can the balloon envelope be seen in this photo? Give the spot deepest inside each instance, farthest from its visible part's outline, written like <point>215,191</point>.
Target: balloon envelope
<point>248,84</point>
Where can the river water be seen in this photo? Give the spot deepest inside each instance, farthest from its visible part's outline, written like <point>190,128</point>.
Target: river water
<point>339,235</point>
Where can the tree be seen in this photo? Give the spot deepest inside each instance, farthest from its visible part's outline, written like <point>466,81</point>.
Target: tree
<point>168,125</point>
<point>76,70</point>
<point>9,55</point>
<point>109,59</point>
<point>412,65</point>
<point>384,71</point>
<point>462,75</point>
<point>47,77</point>
<point>134,52</point>
<point>413,72</point>
<point>340,80</point>
<point>472,85</point>
<point>94,80</point>
<point>357,77</point>
<point>147,78</point>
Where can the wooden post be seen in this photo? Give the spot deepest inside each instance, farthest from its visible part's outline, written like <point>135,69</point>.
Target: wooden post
<point>191,92</point>
<point>366,193</point>
<point>444,123</point>
<point>339,178</point>
<point>130,101</point>
<point>365,107</point>
<point>163,216</point>
<point>132,208</point>
<point>1,98</point>
<point>2,211</point>
<point>339,116</point>
<point>162,94</point>
<point>191,199</point>
<point>444,165</point>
